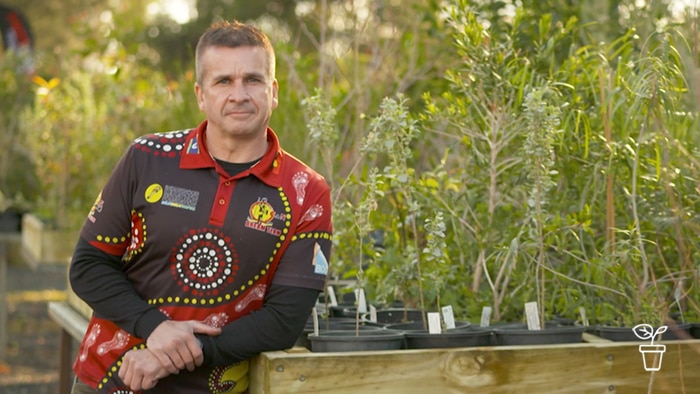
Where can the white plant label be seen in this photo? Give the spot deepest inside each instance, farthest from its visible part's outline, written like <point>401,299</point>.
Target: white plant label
<point>434,323</point>
<point>448,317</point>
<point>372,313</point>
<point>314,318</point>
<point>361,301</point>
<point>485,316</point>
<point>331,295</point>
<point>584,319</point>
<point>533,316</point>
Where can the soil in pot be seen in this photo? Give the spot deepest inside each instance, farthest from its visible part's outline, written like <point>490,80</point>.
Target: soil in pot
<point>351,341</point>
<point>551,334</point>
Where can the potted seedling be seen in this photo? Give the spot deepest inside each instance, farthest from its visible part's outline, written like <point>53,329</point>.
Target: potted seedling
<point>359,215</point>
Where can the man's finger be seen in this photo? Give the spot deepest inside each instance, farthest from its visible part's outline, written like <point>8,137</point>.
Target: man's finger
<point>148,383</point>
<point>188,354</point>
<point>201,328</point>
<point>167,362</point>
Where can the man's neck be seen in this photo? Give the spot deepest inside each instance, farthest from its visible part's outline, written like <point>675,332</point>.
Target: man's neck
<point>234,150</point>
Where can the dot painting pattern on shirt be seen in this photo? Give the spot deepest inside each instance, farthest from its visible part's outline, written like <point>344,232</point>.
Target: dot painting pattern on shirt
<point>138,235</point>
<point>203,262</point>
<point>166,145</point>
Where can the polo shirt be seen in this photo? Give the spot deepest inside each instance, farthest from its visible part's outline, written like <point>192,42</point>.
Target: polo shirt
<point>200,244</point>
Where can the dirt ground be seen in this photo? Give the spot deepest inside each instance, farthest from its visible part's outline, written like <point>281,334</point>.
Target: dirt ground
<point>33,340</point>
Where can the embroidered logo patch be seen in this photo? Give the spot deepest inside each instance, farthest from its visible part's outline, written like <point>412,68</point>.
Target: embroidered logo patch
<point>193,147</point>
<point>96,208</point>
<point>180,198</point>
<point>319,261</point>
<point>260,216</point>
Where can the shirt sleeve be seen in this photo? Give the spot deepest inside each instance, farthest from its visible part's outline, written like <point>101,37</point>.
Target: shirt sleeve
<point>97,278</point>
<point>305,262</point>
<point>275,326</point>
<point>97,270</point>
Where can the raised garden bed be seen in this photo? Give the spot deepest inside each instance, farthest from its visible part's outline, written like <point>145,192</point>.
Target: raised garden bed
<point>598,366</point>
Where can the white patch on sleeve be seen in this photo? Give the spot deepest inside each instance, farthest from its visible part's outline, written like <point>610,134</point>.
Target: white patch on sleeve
<point>319,261</point>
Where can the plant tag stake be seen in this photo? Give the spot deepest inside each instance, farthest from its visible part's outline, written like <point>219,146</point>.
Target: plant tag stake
<point>448,316</point>
<point>361,301</point>
<point>485,316</point>
<point>434,323</point>
<point>533,316</point>
<point>331,295</point>
<point>584,319</point>
<point>372,313</point>
<point>314,318</point>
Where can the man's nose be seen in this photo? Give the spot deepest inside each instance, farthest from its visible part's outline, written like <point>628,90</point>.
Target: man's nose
<point>238,92</point>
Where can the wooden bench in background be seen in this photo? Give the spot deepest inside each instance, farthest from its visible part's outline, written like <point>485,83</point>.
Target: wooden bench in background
<point>73,327</point>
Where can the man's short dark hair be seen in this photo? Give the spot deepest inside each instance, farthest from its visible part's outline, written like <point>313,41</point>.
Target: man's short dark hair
<point>232,34</point>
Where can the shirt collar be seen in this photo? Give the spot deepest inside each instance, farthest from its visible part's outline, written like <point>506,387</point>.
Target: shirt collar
<point>196,156</point>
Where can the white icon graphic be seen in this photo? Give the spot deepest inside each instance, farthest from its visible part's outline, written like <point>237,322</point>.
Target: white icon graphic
<point>651,354</point>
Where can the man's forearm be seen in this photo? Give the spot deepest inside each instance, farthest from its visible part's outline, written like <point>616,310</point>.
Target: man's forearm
<point>275,326</point>
<point>97,278</point>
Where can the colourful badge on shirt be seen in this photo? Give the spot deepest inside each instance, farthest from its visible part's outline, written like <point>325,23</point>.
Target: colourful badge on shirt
<point>179,197</point>
<point>320,263</point>
<point>154,193</point>
<point>96,208</point>
<point>193,147</point>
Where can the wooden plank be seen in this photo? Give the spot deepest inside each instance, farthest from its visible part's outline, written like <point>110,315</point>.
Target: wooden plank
<point>3,300</point>
<point>611,367</point>
<point>69,319</point>
<point>65,374</point>
<point>73,327</point>
<point>587,337</point>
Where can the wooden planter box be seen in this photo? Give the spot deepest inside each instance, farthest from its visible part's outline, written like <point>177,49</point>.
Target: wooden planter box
<point>594,367</point>
<point>41,245</point>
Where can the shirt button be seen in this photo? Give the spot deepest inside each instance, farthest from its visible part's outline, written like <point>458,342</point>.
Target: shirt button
<point>228,183</point>
<point>222,201</point>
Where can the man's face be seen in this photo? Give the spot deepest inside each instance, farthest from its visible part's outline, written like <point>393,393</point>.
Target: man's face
<point>237,92</point>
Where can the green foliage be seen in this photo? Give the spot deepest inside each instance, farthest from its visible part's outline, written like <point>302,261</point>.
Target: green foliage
<point>18,184</point>
<point>477,153</point>
<point>81,123</point>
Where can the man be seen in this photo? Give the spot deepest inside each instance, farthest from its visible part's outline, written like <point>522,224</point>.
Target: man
<point>205,246</point>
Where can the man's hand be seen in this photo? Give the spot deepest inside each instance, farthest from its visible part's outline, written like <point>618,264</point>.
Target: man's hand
<point>176,347</point>
<point>141,370</point>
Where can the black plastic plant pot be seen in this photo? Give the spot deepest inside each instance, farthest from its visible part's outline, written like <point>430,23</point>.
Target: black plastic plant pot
<point>399,315</point>
<point>342,310</point>
<point>463,335</point>
<point>351,341</point>
<point>448,339</point>
<point>417,326</point>
<point>548,335</point>
<point>334,324</point>
<point>626,334</point>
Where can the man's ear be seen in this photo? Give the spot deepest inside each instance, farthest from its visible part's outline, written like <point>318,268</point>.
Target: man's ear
<point>275,90</point>
<point>198,94</point>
